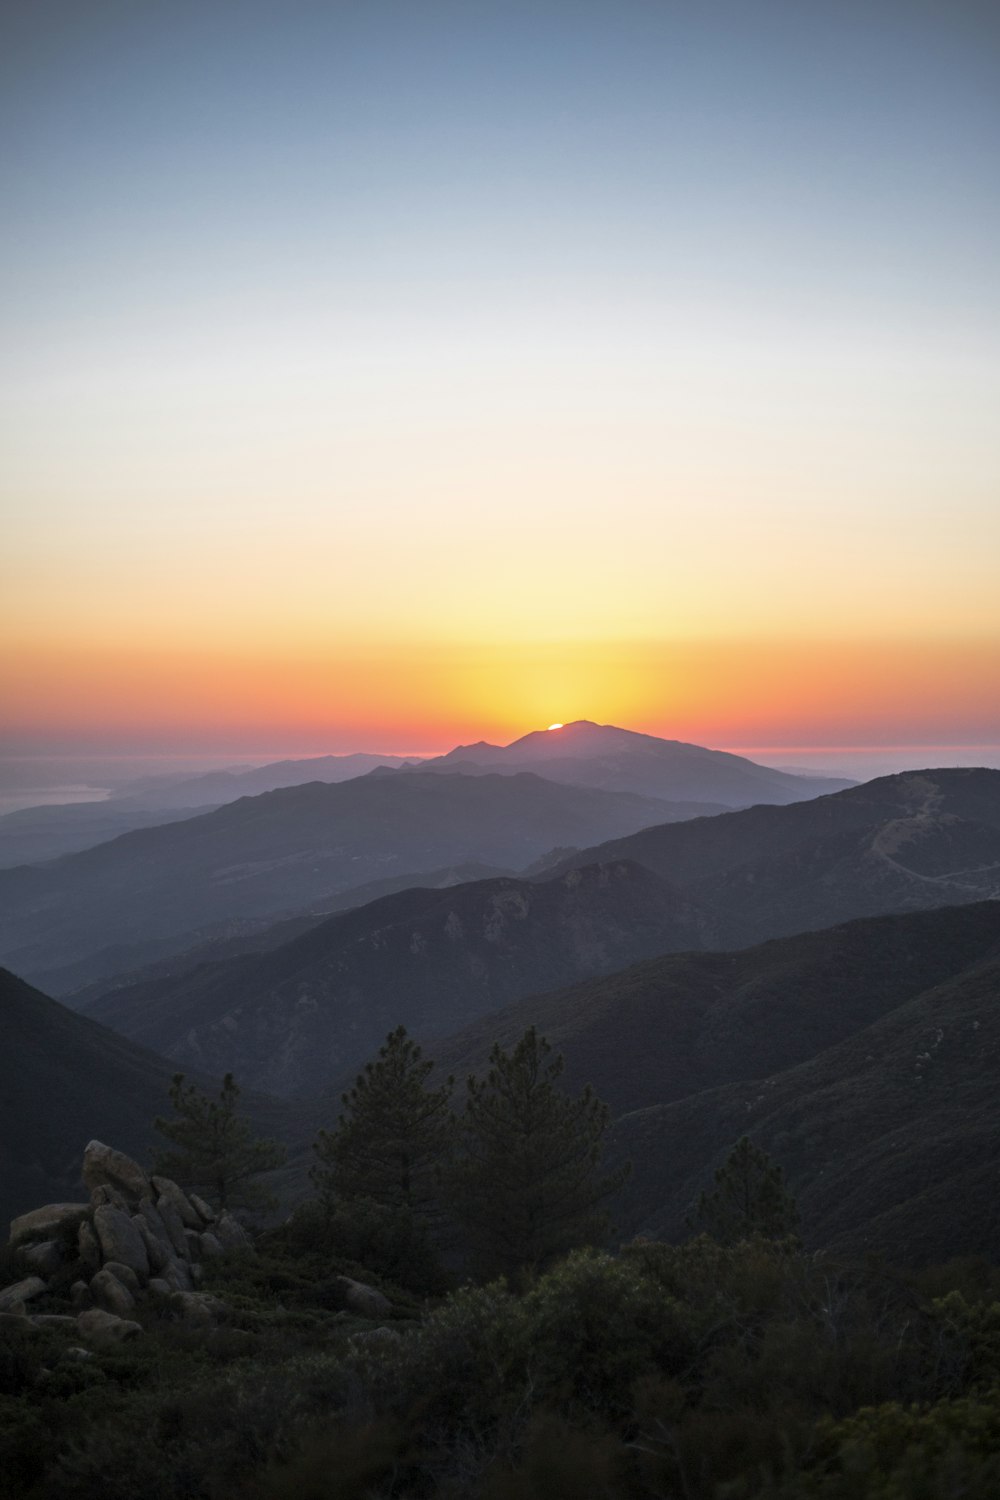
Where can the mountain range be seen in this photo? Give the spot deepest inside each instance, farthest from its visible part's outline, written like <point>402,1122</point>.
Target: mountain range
<point>620,760</point>
<point>287,850</point>
<point>433,961</point>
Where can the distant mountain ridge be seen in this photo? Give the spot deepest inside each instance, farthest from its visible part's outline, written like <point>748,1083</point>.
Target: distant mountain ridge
<point>426,959</point>
<point>279,852</point>
<point>603,755</point>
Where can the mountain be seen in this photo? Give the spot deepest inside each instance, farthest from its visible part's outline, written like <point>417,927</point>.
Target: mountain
<point>295,1019</point>
<point>216,787</point>
<point>285,850</point>
<point>815,862</point>
<point>130,963</point>
<point>601,755</point>
<point>912,841</point>
<point>863,1057</point>
<point>890,1139</point>
<point>33,834</point>
<point>65,1079</point>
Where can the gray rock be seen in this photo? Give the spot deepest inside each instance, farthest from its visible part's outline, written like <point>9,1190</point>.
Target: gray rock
<point>102,1165</point>
<point>158,1252</point>
<point>178,1276</point>
<point>104,1196</point>
<point>210,1246</point>
<point>173,1224</point>
<point>88,1249</point>
<point>202,1208</point>
<point>120,1240</point>
<point>175,1195</point>
<point>197,1274</point>
<point>125,1275</point>
<point>110,1294</point>
<point>75,1352</point>
<point>46,1257</point>
<point>159,1286</point>
<point>199,1309</point>
<point>193,1240</point>
<point>363,1300</point>
<point>80,1296</point>
<point>16,1322</point>
<point>44,1223</point>
<point>105,1329</point>
<point>53,1320</point>
<point>231,1234</point>
<point>20,1292</point>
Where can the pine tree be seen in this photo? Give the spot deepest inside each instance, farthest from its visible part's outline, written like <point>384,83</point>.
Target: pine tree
<point>392,1135</point>
<point>214,1148</point>
<point>749,1198</point>
<point>527,1186</point>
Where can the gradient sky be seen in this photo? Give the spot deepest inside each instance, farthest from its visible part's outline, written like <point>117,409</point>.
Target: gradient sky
<point>394,374</point>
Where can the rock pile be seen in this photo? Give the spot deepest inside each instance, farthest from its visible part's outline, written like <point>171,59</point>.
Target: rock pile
<point>138,1237</point>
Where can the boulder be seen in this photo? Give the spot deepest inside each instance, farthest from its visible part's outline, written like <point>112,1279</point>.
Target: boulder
<point>44,1223</point>
<point>199,1309</point>
<point>125,1275</point>
<point>87,1247</point>
<point>105,1329</point>
<point>193,1240</point>
<point>202,1208</point>
<point>158,1252</point>
<point>172,1223</point>
<point>231,1234</point>
<point>178,1276</point>
<point>159,1286</point>
<point>109,1292</point>
<point>102,1165</point>
<point>16,1322</point>
<point>20,1292</point>
<point>120,1240</point>
<point>46,1257</point>
<point>175,1195</point>
<point>53,1320</point>
<point>210,1246</point>
<point>80,1296</point>
<point>104,1195</point>
<point>363,1300</point>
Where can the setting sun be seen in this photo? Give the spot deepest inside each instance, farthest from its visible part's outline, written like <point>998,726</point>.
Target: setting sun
<point>555,726</point>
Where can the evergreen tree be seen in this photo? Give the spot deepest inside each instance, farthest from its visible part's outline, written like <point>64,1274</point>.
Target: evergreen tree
<point>749,1198</point>
<point>392,1136</point>
<point>214,1148</point>
<point>527,1186</point>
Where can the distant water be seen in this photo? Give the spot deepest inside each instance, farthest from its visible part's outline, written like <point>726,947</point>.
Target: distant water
<point>50,796</point>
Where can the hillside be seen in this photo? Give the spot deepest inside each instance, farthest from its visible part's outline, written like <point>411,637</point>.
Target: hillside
<point>864,1058</point>
<point>65,1079</point>
<point>285,850</point>
<point>602,755</point>
<point>294,1019</point>
<point>216,787</point>
<point>33,834</point>
<point>912,841</point>
<point>890,1139</point>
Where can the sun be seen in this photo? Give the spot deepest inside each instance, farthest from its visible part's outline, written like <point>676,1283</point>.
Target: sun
<point>555,726</point>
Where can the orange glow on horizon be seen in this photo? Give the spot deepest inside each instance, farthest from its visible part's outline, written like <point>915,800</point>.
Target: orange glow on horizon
<point>432,696</point>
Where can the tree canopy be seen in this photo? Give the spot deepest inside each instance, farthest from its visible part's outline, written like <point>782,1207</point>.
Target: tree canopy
<point>391,1136</point>
<point>527,1184</point>
<point>214,1149</point>
<point>749,1198</point>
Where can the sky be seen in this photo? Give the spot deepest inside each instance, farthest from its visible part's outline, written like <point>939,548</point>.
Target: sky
<point>392,375</point>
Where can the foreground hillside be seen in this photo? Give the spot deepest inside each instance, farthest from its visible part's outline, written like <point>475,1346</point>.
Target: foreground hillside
<point>276,853</point>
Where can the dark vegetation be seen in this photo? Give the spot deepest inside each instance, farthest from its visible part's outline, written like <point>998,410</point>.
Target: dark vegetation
<point>703,1371</point>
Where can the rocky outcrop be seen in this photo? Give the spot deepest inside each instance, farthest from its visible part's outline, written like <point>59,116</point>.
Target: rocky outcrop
<point>138,1238</point>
